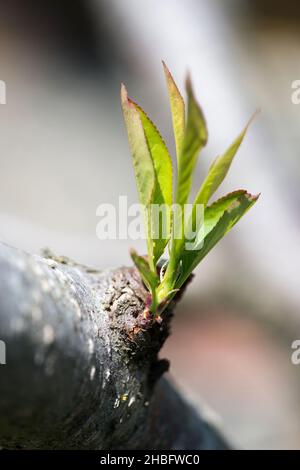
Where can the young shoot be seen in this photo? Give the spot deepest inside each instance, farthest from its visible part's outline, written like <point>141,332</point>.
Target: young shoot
<point>186,231</point>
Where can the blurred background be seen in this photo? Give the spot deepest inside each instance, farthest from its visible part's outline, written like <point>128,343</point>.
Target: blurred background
<point>64,151</point>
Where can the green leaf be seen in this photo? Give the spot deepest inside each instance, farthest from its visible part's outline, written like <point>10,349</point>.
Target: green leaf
<point>196,230</point>
<point>177,110</point>
<point>212,215</point>
<point>150,279</point>
<point>219,169</point>
<point>195,138</point>
<point>234,211</point>
<point>162,196</point>
<point>214,212</point>
<point>142,161</point>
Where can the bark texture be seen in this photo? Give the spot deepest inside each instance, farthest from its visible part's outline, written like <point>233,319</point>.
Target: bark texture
<point>82,366</point>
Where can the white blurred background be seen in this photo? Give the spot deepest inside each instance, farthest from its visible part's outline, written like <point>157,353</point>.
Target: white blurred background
<point>63,151</point>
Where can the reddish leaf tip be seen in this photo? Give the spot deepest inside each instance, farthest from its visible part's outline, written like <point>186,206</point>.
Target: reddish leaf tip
<point>254,115</point>
<point>188,83</point>
<point>167,71</point>
<point>170,81</point>
<point>256,196</point>
<point>132,252</point>
<point>251,197</point>
<point>124,94</point>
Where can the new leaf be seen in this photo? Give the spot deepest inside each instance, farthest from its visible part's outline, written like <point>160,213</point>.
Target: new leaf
<point>219,169</point>
<point>231,215</point>
<point>177,110</point>
<point>195,138</point>
<point>142,161</point>
<point>162,195</point>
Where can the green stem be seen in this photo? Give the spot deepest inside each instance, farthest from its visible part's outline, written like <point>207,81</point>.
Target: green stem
<point>167,284</point>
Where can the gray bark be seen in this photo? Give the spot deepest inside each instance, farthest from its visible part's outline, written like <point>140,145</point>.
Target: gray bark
<point>82,367</point>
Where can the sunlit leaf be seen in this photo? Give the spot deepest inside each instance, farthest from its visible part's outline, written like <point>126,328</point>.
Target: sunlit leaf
<point>177,110</point>
<point>214,212</point>
<point>160,155</point>
<point>142,161</point>
<point>195,138</point>
<point>162,196</point>
<point>201,222</point>
<point>232,214</point>
<point>218,170</point>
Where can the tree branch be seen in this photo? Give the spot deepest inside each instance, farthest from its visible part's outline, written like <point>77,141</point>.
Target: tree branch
<point>82,368</point>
